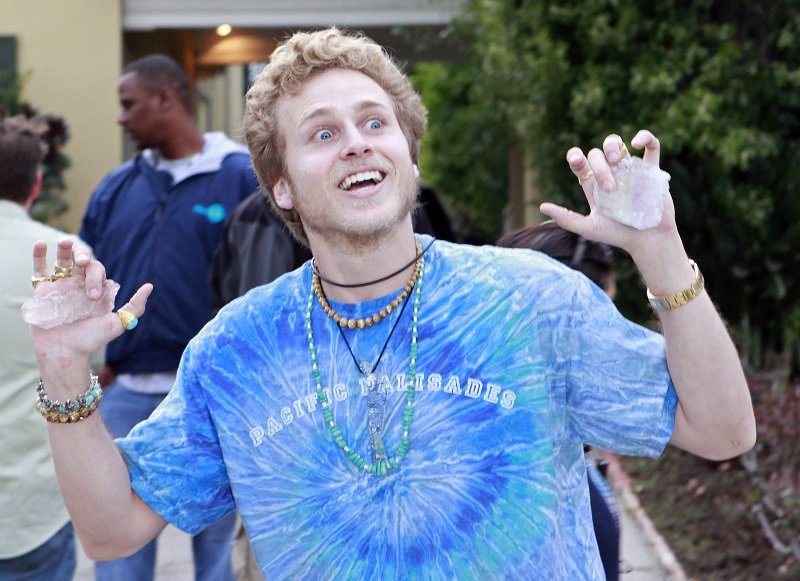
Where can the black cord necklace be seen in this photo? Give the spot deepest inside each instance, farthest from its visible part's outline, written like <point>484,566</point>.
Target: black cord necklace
<point>377,390</point>
<point>362,365</point>
<point>370,283</point>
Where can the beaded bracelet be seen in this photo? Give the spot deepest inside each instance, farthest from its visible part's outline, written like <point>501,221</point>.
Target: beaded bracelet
<point>70,411</point>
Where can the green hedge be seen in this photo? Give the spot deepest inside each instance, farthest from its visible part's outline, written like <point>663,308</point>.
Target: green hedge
<point>717,82</point>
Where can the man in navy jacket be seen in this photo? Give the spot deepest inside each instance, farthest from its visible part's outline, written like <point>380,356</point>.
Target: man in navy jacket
<point>159,217</point>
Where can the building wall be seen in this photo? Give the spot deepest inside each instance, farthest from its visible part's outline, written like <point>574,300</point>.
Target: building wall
<point>70,53</point>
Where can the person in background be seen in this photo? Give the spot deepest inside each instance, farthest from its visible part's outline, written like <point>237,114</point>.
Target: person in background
<point>159,217</point>
<point>596,261</point>
<point>37,542</point>
<point>256,248</point>
<point>431,216</point>
<point>399,407</point>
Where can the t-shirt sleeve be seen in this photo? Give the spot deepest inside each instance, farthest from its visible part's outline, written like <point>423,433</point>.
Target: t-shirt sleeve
<point>174,457</point>
<point>619,394</point>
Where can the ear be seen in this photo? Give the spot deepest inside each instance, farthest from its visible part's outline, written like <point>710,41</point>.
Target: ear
<point>416,170</point>
<point>34,193</point>
<point>166,98</point>
<point>283,195</point>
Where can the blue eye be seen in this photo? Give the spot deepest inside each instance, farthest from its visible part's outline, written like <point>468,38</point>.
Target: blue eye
<point>323,135</point>
<point>375,124</point>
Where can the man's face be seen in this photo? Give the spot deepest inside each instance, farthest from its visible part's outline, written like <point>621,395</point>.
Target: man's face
<point>139,110</point>
<point>348,171</point>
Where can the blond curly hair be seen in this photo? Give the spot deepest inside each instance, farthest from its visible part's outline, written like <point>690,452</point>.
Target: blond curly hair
<point>296,60</point>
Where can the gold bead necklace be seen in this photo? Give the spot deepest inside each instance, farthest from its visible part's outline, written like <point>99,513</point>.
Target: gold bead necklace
<point>316,284</point>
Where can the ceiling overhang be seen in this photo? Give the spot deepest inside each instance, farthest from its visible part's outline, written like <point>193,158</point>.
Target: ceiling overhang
<point>141,15</point>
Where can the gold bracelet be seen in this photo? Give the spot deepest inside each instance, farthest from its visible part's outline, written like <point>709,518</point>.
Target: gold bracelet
<point>682,298</point>
<point>69,411</point>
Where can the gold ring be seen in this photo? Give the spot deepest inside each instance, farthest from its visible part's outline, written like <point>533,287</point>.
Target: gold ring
<point>57,275</point>
<point>623,151</point>
<point>37,279</point>
<point>62,270</point>
<point>587,176</point>
<point>129,321</point>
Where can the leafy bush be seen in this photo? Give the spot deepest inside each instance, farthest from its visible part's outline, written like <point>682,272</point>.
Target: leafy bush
<point>717,80</point>
<point>465,152</point>
<point>774,464</point>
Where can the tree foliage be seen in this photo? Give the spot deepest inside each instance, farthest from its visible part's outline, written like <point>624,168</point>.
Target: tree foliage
<point>465,152</point>
<point>718,81</point>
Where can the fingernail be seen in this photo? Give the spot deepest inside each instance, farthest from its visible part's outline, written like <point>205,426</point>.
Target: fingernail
<point>613,157</point>
<point>94,293</point>
<point>608,185</point>
<point>81,256</point>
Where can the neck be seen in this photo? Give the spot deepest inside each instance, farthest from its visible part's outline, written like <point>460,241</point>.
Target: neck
<point>186,142</point>
<point>352,262</point>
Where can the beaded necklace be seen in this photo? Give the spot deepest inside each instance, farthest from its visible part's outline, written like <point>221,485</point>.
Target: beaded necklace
<point>316,286</point>
<point>382,464</point>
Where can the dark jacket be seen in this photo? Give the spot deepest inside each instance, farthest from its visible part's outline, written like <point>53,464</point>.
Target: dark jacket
<point>256,249</point>
<point>144,228</point>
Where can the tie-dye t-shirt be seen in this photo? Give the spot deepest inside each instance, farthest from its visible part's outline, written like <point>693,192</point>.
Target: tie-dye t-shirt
<point>520,361</point>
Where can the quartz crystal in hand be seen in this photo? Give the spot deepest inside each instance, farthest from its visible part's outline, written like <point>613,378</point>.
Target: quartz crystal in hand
<point>64,301</point>
<point>638,199</point>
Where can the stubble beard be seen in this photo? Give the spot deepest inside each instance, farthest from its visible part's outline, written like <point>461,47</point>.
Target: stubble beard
<point>356,232</point>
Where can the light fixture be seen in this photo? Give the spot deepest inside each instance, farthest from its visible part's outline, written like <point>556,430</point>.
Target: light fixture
<point>224,29</point>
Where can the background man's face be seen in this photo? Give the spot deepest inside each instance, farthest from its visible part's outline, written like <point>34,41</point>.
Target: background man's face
<point>138,111</point>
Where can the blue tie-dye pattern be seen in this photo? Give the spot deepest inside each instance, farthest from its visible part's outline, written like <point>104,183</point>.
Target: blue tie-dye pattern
<point>486,491</point>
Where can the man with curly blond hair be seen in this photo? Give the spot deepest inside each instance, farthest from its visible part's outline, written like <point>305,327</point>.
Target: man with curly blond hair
<point>399,407</point>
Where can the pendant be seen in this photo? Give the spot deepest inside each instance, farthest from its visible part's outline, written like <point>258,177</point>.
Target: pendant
<point>381,464</point>
<point>377,390</point>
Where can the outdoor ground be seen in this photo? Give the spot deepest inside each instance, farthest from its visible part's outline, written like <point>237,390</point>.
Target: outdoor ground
<point>703,510</point>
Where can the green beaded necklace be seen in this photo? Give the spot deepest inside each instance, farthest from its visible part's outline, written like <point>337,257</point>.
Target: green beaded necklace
<point>382,464</point>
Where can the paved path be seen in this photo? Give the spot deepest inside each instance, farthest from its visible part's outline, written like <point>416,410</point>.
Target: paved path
<point>645,554</point>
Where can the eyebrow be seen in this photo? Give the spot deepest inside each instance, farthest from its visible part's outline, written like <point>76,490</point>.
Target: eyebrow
<point>329,110</point>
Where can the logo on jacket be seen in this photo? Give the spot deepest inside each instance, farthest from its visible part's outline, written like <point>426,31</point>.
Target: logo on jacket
<point>215,212</point>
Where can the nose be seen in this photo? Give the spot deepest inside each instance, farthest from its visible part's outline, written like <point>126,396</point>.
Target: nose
<point>355,143</point>
<point>122,118</point>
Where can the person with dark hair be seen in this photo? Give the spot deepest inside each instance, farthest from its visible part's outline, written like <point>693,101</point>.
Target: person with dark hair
<point>157,72</point>
<point>37,541</point>
<point>596,261</point>
<point>431,216</point>
<point>593,259</point>
<point>256,248</point>
<point>158,217</point>
<point>399,407</point>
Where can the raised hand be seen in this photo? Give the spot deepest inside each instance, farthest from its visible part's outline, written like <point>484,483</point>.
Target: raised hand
<point>80,284</point>
<point>595,168</point>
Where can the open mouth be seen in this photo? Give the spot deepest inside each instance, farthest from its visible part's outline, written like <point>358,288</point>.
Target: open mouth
<point>361,179</point>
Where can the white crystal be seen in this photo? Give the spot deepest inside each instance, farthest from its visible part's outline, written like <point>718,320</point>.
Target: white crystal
<point>64,301</point>
<point>638,199</point>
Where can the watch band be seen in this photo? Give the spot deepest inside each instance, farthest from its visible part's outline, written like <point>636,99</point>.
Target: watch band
<point>682,298</point>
